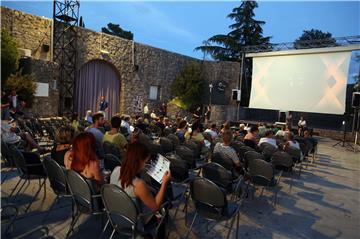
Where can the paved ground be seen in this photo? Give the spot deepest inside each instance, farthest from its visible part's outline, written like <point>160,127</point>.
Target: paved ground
<point>324,202</point>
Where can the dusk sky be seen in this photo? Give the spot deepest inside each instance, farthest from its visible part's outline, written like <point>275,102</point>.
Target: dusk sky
<point>183,25</point>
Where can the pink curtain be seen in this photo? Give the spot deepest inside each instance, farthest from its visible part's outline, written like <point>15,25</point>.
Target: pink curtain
<point>97,78</point>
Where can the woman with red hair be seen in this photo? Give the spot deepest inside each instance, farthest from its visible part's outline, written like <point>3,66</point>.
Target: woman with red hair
<point>126,177</point>
<point>82,158</point>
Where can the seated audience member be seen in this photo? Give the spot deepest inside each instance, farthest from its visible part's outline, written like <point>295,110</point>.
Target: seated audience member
<point>313,142</point>
<point>196,133</point>
<point>153,115</point>
<point>113,136</point>
<point>251,138</point>
<point>98,121</point>
<point>141,125</point>
<point>63,140</point>
<point>290,142</point>
<point>126,123</point>
<point>88,117</point>
<point>160,123</point>
<point>281,132</point>
<point>11,134</point>
<point>241,132</point>
<point>301,126</point>
<point>126,177</point>
<point>212,131</point>
<point>82,158</point>
<point>225,150</point>
<point>181,130</point>
<point>268,139</point>
<point>226,127</point>
<point>75,121</point>
<point>262,129</point>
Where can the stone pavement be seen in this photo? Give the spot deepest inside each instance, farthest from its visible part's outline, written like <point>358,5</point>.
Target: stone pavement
<point>324,202</point>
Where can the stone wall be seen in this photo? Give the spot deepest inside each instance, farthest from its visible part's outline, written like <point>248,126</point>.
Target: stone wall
<point>31,32</point>
<point>139,66</point>
<point>46,72</point>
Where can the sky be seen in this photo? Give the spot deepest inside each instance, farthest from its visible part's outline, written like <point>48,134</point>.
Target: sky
<point>180,26</point>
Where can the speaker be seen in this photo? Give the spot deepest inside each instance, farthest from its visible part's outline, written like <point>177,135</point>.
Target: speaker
<point>236,95</point>
<point>355,100</point>
<point>25,65</point>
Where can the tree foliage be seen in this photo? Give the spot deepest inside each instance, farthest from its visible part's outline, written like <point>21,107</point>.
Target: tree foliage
<point>9,56</point>
<point>24,85</point>
<point>116,30</point>
<point>314,38</point>
<point>188,87</point>
<point>245,31</point>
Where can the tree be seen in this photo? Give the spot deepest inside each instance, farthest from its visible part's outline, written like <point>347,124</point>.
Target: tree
<point>116,30</point>
<point>24,85</point>
<point>314,38</point>
<point>246,31</point>
<point>188,86</point>
<point>9,56</point>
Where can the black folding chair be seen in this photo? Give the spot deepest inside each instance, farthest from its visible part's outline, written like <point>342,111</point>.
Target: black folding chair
<point>85,198</point>
<point>211,204</point>
<point>111,162</point>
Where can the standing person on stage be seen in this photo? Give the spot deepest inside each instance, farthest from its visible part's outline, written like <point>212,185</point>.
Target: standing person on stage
<point>103,106</point>
<point>301,125</point>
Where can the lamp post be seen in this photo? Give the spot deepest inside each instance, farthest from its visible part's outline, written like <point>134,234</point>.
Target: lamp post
<point>210,89</point>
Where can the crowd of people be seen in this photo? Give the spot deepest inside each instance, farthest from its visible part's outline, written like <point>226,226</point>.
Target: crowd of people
<point>78,145</point>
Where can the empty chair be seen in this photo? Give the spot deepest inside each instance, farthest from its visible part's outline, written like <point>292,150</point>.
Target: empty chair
<point>243,150</point>
<point>250,155</point>
<point>187,155</point>
<point>154,148</point>
<point>268,152</point>
<point>29,168</point>
<point>211,204</point>
<point>57,177</point>
<point>175,140</point>
<point>166,144</point>
<point>227,163</point>
<point>9,212</point>
<point>194,147</point>
<point>296,156</point>
<point>178,168</point>
<point>262,174</point>
<point>111,161</point>
<point>110,148</point>
<point>282,161</point>
<point>219,175</point>
<point>84,196</point>
<point>263,145</point>
<point>236,146</point>
<point>6,155</point>
<point>123,214</point>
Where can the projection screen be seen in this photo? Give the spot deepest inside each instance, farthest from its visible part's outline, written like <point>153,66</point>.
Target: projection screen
<point>311,80</point>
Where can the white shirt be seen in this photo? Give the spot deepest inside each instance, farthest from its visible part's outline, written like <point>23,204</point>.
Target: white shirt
<point>126,125</point>
<point>269,141</point>
<point>302,123</point>
<point>14,100</point>
<point>212,133</point>
<point>6,135</point>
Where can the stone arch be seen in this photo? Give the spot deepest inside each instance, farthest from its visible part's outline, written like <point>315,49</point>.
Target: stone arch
<point>96,78</point>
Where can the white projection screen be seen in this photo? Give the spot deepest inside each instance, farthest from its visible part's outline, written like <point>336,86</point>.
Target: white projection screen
<point>311,80</point>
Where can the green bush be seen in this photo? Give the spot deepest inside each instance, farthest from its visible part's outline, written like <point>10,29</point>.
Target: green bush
<point>9,56</point>
<point>188,87</point>
<point>24,85</point>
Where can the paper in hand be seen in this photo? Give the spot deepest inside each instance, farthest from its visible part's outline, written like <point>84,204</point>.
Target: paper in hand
<point>158,168</point>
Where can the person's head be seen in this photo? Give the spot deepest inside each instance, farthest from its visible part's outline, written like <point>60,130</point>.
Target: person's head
<point>137,154</point>
<point>83,151</point>
<point>102,98</point>
<point>88,113</point>
<point>301,118</point>
<point>196,127</point>
<point>306,133</point>
<point>227,136</point>
<point>64,135</point>
<point>213,126</point>
<point>226,125</point>
<point>13,92</point>
<point>283,128</point>
<point>182,124</point>
<point>115,122</point>
<point>74,116</point>
<point>167,121</point>
<point>242,126</point>
<point>254,129</point>
<point>98,119</point>
<point>290,137</point>
<point>268,133</point>
<point>127,118</point>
